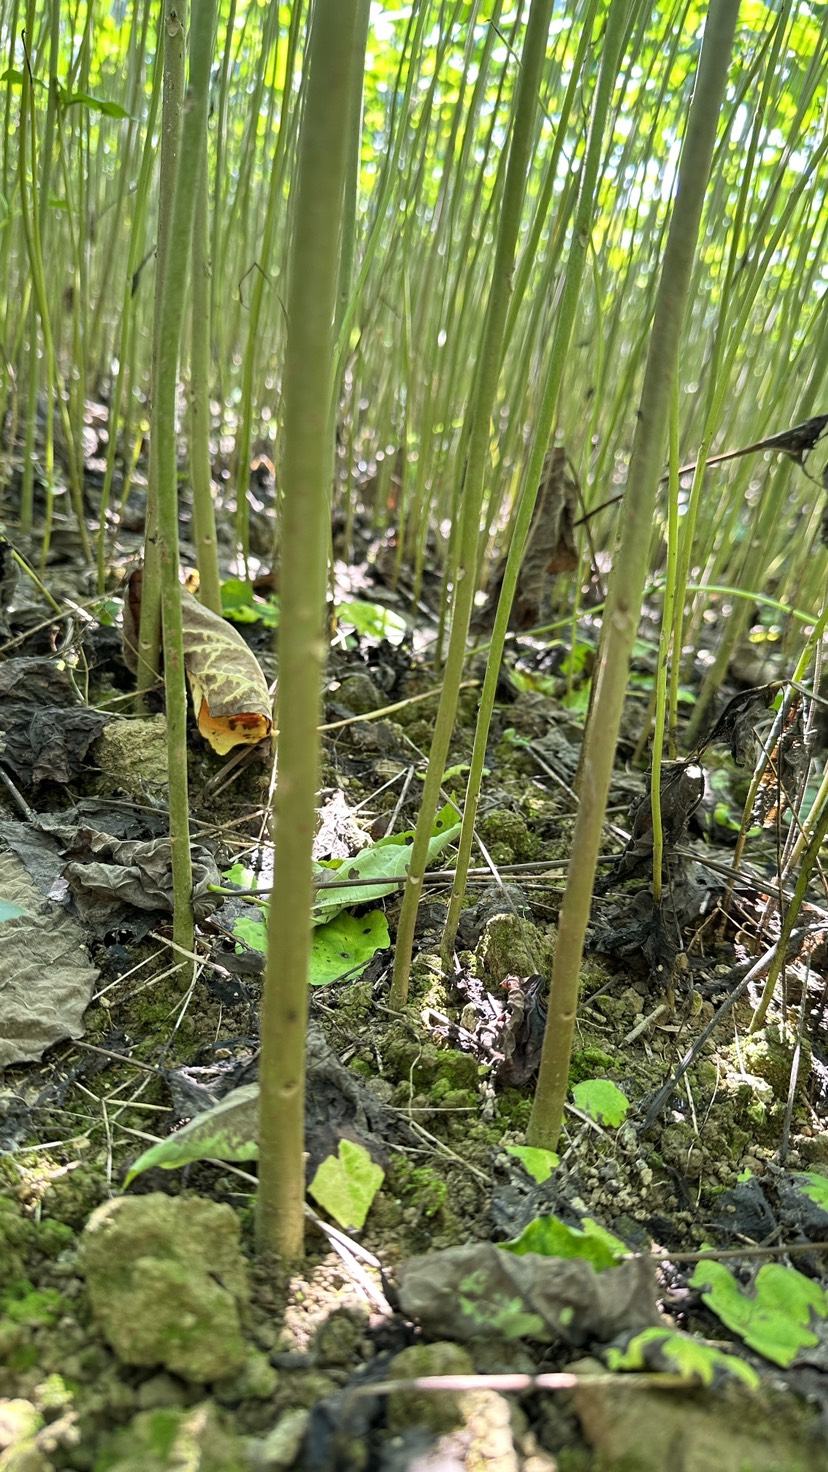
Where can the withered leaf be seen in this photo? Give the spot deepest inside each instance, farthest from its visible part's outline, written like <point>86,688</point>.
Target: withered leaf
<point>44,734</point>
<point>550,549</point>
<point>230,695</point>
<point>105,873</point>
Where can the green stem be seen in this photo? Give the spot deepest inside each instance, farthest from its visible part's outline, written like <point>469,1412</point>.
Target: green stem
<point>308,464</point>
<point>164,433</point>
<point>581,233</point>
<point>629,570</point>
<point>204,516</point>
<point>174,44</point>
<point>534,51</point>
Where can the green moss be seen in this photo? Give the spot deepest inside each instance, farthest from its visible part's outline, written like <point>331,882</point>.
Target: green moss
<point>513,946</point>
<point>587,1062</point>
<point>769,1054</point>
<point>71,1198</point>
<point>423,1187</point>
<point>458,1098</point>
<point>54,1395</point>
<point>425,1065</point>
<point>53,1237</point>
<point>24,1304</point>
<point>514,1109</point>
<point>16,1236</point>
<point>438,1412</point>
<point>508,832</point>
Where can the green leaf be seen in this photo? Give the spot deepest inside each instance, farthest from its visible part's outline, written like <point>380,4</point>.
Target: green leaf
<point>92,104</point>
<point>814,1186</point>
<point>8,911</point>
<point>345,1185</point>
<point>107,611</point>
<point>550,1237</point>
<point>602,1100</point>
<point>774,1316</point>
<point>251,929</point>
<point>680,1354</point>
<point>239,603</point>
<point>444,820</point>
<point>228,1131</point>
<point>242,876</point>
<point>344,947</point>
<point>390,856</point>
<point>11,74</point>
<point>380,861</point>
<point>538,1163</point>
<point>372,620</point>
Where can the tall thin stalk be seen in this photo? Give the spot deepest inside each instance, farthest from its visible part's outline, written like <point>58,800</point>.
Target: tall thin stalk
<point>204,517</point>
<point>534,50</point>
<point>164,433</point>
<point>308,467</point>
<point>581,232</point>
<point>629,570</point>
<point>173,21</point>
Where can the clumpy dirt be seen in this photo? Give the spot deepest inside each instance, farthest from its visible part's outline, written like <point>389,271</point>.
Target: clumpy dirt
<point>139,1330</point>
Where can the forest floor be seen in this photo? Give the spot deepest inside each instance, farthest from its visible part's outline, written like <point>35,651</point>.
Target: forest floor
<point>150,1337</point>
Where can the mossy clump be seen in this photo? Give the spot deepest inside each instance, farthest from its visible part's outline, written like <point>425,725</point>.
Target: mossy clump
<point>587,1062</point>
<point>425,1065</point>
<point>435,1412</point>
<point>513,946</point>
<point>508,838</point>
<point>72,1197</point>
<point>769,1054</point>
<point>17,1235</point>
<point>52,1237</point>
<point>449,1098</point>
<point>514,1109</point>
<point>422,1188</point>
<point>22,1303</point>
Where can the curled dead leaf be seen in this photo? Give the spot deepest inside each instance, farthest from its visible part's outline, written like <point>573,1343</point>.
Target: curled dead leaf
<point>230,695</point>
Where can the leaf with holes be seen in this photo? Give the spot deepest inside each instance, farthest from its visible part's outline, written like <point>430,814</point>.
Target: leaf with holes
<point>341,950</point>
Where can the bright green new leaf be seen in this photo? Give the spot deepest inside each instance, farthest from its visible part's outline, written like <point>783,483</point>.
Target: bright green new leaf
<point>242,876</point>
<point>602,1100</point>
<point>342,949</point>
<point>239,603</point>
<point>345,1185</point>
<point>774,1316</point>
<point>680,1354</point>
<point>372,620</point>
<point>538,1163</point>
<point>548,1236</point>
<point>228,1131</point>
